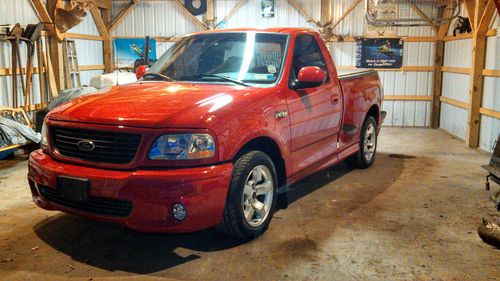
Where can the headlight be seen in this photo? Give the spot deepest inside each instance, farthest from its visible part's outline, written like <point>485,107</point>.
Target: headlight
<point>182,146</point>
<point>44,141</point>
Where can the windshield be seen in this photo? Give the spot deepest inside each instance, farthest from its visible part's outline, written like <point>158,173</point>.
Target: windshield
<point>238,58</point>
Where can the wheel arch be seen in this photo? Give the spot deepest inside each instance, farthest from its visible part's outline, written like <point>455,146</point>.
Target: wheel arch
<point>271,148</point>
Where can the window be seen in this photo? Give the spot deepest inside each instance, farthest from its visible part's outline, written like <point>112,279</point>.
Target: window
<point>307,53</point>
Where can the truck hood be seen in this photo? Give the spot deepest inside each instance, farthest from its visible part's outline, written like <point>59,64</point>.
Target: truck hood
<point>152,105</point>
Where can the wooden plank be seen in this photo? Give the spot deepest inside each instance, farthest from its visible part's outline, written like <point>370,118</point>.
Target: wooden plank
<point>55,51</point>
<point>484,11</point>
<point>422,15</point>
<point>460,70</point>
<point>489,112</point>
<point>103,4</point>
<point>470,7</point>
<point>123,14</point>
<point>42,13</point>
<point>83,36</point>
<point>345,14</point>
<point>8,71</point>
<point>419,39</point>
<point>326,12</point>
<point>454,102</point>
<point>464,36</point>
<point>107,44</point>
<point>406,98</point>
<point>101,26</point>
<point>92,67</point>
<point>437,84</point>
<point>303,11</point>
<point>491,72</point>
<point>195,19</point>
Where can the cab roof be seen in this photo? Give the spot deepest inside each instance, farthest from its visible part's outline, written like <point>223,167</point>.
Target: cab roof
<point>284,30</point>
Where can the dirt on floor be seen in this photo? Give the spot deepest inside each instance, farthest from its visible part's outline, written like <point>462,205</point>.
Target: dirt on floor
<point>411,216</point>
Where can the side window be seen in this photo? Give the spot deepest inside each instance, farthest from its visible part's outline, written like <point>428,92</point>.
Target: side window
<point>306,53</point>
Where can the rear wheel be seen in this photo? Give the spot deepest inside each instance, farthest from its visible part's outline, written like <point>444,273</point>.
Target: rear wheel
<point>251,197</point>
<point>365,157</point>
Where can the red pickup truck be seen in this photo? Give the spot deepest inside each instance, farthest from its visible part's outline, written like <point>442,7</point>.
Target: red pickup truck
<point>209,136</point>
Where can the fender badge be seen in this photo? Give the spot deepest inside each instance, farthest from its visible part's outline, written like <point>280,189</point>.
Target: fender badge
<point>280,114</point>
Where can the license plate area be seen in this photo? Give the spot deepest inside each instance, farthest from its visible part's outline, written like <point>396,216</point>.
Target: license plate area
<point>73,189</point>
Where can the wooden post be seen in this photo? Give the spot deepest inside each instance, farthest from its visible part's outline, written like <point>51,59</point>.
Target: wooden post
<point>484,11</point>
<point>107,44</point>
<point>326,12</point>
<point>210,19</point>
<point>437,84</point>
<point>55,50</point>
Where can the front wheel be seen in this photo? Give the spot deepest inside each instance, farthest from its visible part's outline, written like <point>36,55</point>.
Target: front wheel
<point>365,157</point>
<point>251,197</point>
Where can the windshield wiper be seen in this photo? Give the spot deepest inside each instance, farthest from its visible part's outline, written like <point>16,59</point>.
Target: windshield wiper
<point>158,75</point>
<point>221,77</point>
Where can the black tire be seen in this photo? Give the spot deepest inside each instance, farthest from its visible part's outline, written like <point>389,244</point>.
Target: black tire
<point>202,9</point>
<point>233,222</point>
<point>359,160</point>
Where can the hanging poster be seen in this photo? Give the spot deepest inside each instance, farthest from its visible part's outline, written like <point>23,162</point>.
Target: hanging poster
<point>267,8</point>
<point>128,50</point>
<point>379,53</point>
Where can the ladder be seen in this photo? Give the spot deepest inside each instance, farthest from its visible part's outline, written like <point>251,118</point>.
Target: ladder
<point>71,68</point>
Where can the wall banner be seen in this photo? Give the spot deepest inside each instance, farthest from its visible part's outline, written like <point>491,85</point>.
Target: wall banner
<point>379,53</point>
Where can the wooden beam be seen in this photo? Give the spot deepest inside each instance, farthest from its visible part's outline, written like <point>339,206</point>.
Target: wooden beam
<point>231,13</point>
<point>8,71</point>
<point>195,19</point>
<point>107,44</point>
<point>437,84</point>
<point>484,11</point>
<point>406,98</point>
<point>454,102</point>
<point>345,14</point>
<point>470,7</point>
<point>489,112</point>
<point>92,67</point>
<point>42,13</point>
<point>303,11</point>
<point>421,14</point>
<point>123,14</point>
<point>84,36</point>
<point>326,12</point>
<point>99,22</point>
<point>491,72</point>
<point>459,70</point>
<point>55,53</point>
<point>103,4</point>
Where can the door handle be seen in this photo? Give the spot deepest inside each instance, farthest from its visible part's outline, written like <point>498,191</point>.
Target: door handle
<point>335,99</point>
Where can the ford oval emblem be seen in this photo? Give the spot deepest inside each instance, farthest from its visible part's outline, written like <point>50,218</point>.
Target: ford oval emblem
<point>86,145</point>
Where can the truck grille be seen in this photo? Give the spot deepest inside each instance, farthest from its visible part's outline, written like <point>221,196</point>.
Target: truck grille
<point>108,147</point>
<point>96,205</point>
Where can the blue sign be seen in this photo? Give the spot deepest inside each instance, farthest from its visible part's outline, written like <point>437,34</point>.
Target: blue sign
<point>128,50</point>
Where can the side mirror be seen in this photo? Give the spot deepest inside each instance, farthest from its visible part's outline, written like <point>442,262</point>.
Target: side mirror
<point>140,71</point>
<point>309,77</point>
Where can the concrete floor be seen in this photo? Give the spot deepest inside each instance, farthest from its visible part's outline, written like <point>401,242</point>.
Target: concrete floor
<point>413,215</point>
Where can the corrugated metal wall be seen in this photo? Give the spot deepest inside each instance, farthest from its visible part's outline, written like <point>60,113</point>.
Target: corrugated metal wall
<point>407,83</point>
<point>20,11</point>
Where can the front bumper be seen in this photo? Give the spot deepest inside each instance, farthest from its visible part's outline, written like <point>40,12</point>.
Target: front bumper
<point>202,190</point>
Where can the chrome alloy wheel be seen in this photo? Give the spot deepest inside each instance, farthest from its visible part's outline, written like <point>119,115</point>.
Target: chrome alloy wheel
<point>258,195</point>
<point>370,142</point>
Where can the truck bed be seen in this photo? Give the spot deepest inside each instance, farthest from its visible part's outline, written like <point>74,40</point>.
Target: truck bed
<point>354,73</point>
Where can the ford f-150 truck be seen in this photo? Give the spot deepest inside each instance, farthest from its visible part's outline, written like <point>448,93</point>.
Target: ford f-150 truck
<point>209,136</point>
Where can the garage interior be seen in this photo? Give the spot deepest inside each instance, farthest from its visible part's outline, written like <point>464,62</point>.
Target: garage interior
<point>413,215</point>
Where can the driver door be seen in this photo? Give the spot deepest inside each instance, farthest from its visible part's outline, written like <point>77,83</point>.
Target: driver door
<point>315,113</point>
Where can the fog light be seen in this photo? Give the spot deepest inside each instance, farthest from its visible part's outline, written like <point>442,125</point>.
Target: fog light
<point>179,211</point>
